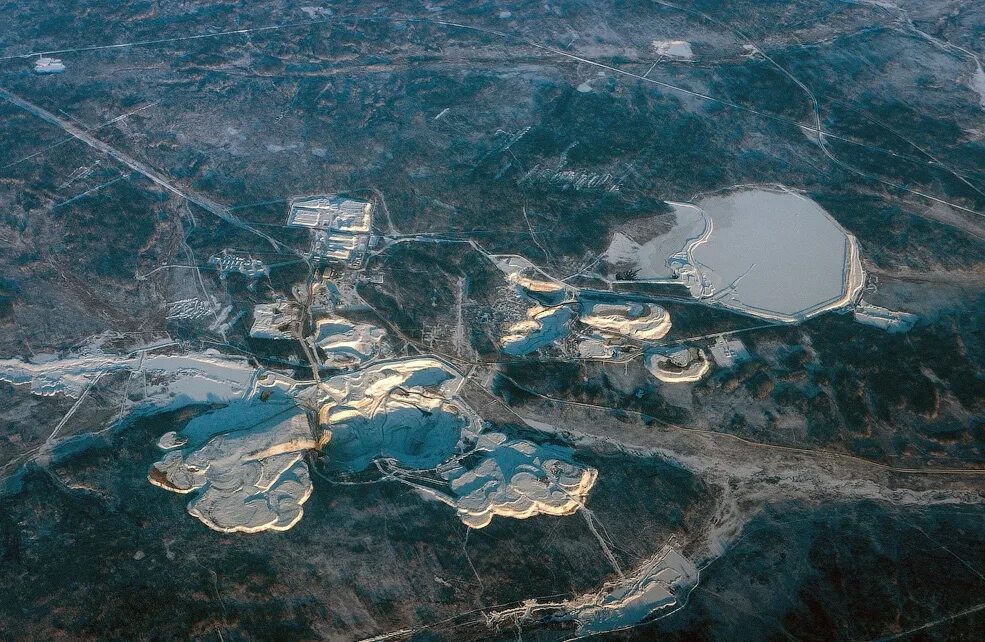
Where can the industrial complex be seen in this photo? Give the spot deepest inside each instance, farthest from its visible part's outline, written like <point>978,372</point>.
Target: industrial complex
<point>340,227</point>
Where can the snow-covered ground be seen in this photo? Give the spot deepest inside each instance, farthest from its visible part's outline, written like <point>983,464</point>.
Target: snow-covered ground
<point>658,586</point>
<point>168,381</point>
<point>248,478</point>
<point>977,83</point>
<point>275,321</point>
<point>680,49</point>
<point>347,344</point>
<point>653,258</point>
<point>406,410</point>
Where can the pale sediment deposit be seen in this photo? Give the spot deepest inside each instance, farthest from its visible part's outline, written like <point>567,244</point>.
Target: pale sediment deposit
<point>243,464</point>
<point>657,587</point>
<point>533,284</point>
<point>527,276</point>
<point>653,259</point>
<point>347,344</point>
<point>518,479</point>
<point>171,440</point>
<point>243,461</point>
<point>595,349</point>
<point>637,321</point>
<point>405,410</point>
<point>172,380</point>
<point>406,414</point>
<point>548,318</point>
<point>678,365</point>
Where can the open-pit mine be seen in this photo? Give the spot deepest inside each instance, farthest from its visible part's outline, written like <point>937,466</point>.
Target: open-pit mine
<point>467,321</point>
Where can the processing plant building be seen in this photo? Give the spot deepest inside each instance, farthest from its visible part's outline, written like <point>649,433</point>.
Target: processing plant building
<point>340,227</point>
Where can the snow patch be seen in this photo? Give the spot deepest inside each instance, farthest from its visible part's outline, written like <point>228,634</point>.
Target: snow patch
<point>884,319</point>
<point>346,344</point>
<point>977,83</point>
<point>674,49</point>
<point>249,480</point>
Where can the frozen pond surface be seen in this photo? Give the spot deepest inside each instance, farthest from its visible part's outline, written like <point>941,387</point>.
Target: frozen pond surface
<point>776,255</point>
<point>655,255</point>
<point>770,253</point>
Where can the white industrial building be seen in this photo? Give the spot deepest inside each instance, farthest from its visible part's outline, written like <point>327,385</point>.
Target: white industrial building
<point>332,213</point>
<point>339,227</point>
